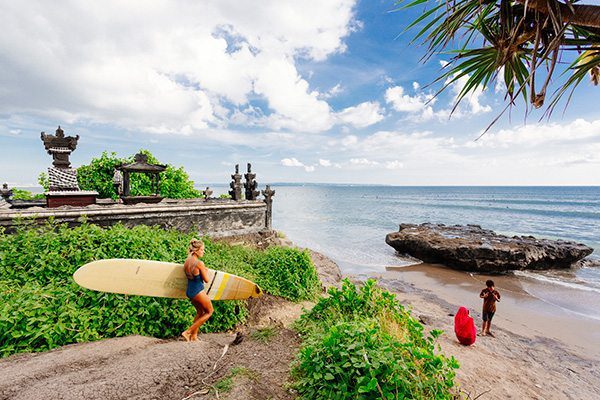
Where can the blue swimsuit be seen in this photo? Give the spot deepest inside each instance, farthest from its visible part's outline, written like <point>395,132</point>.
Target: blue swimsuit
<point>194,286</point>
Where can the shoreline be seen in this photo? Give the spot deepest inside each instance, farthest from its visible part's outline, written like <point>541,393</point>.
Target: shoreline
<point>532,356</point>
<point>518,311</point>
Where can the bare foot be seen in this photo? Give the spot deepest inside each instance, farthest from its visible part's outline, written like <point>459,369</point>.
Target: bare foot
<point>481,334</point>
<point>491,334</point>
<point>186,335</point>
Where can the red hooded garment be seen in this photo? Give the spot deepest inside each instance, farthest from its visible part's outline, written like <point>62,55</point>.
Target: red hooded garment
<point>464,327</point>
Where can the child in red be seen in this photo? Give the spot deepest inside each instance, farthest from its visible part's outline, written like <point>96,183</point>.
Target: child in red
<point>464,327</point>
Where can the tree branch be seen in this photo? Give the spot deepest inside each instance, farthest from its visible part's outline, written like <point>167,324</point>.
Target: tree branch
<point>576,14</point>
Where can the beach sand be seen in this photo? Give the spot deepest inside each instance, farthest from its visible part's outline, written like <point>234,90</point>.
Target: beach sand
<point>540,351</point>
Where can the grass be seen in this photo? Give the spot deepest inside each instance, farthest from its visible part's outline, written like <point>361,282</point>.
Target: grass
<point>226,384</point>
<point>264,335</point>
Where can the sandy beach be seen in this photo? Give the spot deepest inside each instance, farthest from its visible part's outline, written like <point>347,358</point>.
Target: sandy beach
<point>538,352</point>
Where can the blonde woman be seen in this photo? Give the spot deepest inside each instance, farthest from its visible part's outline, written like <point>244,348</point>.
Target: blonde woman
<point>197,274</point>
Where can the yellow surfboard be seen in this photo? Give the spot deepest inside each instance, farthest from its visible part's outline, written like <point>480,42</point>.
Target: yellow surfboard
<point>159,279</point>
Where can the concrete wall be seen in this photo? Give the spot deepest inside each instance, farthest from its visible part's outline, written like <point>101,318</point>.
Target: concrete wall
<point>217,218</point>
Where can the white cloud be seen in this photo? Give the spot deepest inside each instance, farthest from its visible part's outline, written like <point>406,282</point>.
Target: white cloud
<point>395,164</point>
<point>324,163</point>
<point>534,135</point>
<point>473,99</point>
<point>293,162</point>
<point>420,105</point>
<point>166,69</point>
<point>363,161</point>
<point>362,115</point>
<point>334,91</point>
<point>404,102</point>
<point>348,140</point>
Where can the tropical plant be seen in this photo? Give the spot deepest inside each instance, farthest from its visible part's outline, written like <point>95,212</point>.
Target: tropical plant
<point>517,42</point>
<point>22,194</point>
<point>41,307</point>
<point>363,344</point>
<point>98,176</point>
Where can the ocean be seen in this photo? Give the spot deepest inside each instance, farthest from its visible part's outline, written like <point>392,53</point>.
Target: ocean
<point>349,222</point>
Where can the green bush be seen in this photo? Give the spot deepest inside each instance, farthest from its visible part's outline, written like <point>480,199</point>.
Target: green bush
<point>41,307</point>
<point>288,273</point>
<point>22,194</point>
<point>364,345</point>
<point>98,176</point>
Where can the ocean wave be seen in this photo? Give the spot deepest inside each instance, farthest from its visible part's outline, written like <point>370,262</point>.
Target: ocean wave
<point>556,281</point>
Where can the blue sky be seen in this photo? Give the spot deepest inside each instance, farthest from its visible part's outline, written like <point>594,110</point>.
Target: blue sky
<point>312,91</point>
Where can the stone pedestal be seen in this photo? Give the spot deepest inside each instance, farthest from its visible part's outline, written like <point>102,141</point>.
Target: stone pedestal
<point>141,199</point>
<point>80,198</point>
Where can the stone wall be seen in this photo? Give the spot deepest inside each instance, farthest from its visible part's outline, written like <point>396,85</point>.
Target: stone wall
<point>216,218</point>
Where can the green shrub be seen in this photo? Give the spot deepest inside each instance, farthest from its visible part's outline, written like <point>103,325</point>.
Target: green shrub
<point>41,307</point>
<point>364,345</point>
<point>22,194</point>
<point>288,273</point>
<point>98,176</point>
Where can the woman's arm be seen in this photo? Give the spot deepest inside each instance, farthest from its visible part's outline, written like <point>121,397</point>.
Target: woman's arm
<point>203,271</point>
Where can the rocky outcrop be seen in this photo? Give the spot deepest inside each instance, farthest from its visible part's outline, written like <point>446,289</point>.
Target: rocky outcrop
<point>473,248</point>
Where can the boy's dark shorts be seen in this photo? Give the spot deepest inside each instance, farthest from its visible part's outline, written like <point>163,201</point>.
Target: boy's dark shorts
<point>487,316</point>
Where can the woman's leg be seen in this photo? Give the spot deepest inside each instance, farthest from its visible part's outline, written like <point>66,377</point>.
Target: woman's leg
<point>199,312</point>
<point>204,307</point>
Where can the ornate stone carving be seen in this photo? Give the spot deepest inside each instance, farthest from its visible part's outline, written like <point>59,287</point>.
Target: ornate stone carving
<point>250,185</point>
<point>5,192</point>
<point>60,147</point>
<point>236,184</point>
<point>268,193</point>
<point>118,182</point>
<point>61,176</point>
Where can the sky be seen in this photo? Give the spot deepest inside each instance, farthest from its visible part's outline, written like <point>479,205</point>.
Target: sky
<point>328,91</point>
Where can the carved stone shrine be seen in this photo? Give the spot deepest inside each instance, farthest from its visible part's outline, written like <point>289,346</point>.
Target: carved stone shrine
<point>140,165</point>
<point>236,185</point>
<point>5,192</point>
<point>251,184</point>
<point>269,193</point>
<point>63,188</point>
<point>207,193</point>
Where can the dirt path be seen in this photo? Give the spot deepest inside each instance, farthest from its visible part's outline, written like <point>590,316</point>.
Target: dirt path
<point>137,367</point>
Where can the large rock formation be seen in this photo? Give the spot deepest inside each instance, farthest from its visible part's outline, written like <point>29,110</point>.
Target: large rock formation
<point>472,248</point>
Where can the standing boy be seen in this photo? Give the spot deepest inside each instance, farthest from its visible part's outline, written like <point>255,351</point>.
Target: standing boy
<point>490,296</point>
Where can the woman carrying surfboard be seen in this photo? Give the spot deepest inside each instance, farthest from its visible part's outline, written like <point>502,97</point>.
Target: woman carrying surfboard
<point>197,274</point>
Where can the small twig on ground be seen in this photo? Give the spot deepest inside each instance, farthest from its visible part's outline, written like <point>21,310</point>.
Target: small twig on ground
<point>225,348</point>
<point>214,371</point>
<point>481,394</point>
<point>202,391</point>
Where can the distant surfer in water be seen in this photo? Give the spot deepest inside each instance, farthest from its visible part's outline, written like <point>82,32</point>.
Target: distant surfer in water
<point>197,274</point>
<point>490,296</point>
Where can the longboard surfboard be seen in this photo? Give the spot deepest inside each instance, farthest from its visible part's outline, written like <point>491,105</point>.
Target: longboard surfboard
<point>159,279</point>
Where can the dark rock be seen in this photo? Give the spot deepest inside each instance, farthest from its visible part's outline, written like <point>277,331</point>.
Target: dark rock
<point>473,248</point>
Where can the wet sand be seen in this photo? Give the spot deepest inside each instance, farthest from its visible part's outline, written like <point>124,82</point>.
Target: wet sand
<point>518,311</point>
